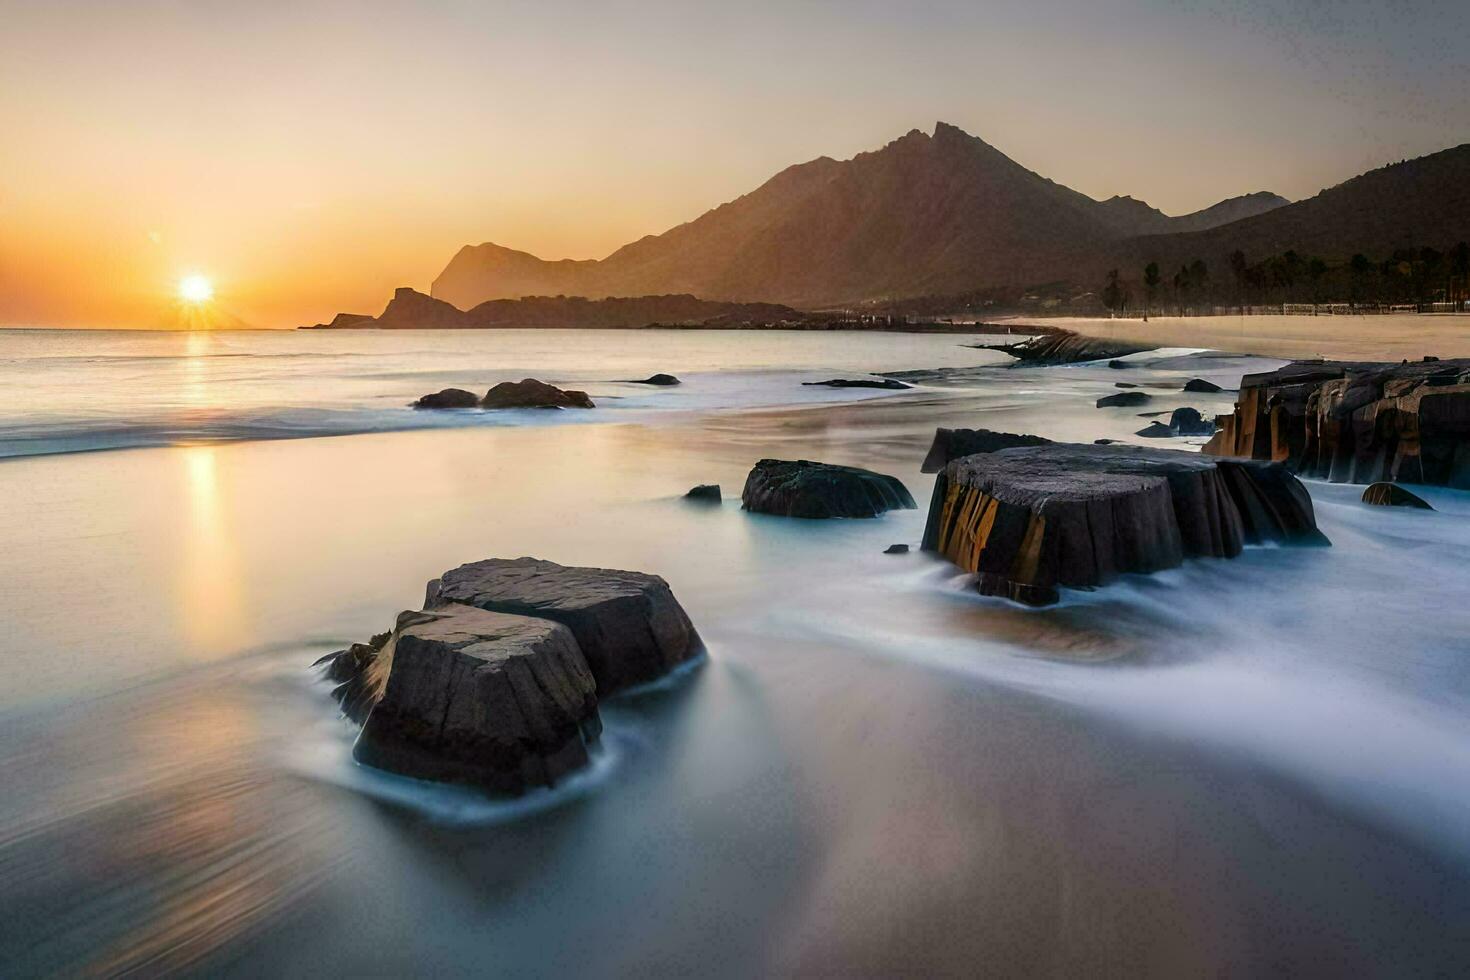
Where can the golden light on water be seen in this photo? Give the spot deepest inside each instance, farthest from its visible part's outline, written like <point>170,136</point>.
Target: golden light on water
<point>196,289</point>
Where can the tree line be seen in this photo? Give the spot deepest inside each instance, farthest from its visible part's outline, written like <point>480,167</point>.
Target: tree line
<point>1409,276</point>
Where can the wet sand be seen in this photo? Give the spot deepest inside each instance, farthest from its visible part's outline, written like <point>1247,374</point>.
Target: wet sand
<point>1227,768</point>
<point>1368,338</point>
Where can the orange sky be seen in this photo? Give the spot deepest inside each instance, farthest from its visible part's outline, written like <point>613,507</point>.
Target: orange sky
<point>311,157</point>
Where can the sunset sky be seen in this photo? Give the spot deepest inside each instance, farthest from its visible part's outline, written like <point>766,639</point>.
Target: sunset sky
<point>308,157</point>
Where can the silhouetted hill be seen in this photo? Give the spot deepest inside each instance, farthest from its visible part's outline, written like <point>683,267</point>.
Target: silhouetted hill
<point>923,215</point>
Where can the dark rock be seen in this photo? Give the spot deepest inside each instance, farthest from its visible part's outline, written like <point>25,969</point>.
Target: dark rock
<point>358,688</point>
<point>449,398</point>
<point>530,393</point>
<point>892,384</point>
<point>1393,495</point>
<point>1124,384</point>
<point>1123,399</point>
<point>1352,422</point>
<point>802,488</point>
<point>629,626</point>
<point>896,549</point>
<point>661,380</point>
<point>1064,347</point>
<point>953,443</point>
<point>1104,442</point>
<point>1188,422</point>
<point>504,702</point>
<point>1202,386</point>
<point>1156,430</point>
<point>1030,520</point>
<point>706,492</point>
<point>1120,365</point>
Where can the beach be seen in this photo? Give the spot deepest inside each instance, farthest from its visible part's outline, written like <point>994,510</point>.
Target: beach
<point>1234,766</point>
<point>1389,337</point>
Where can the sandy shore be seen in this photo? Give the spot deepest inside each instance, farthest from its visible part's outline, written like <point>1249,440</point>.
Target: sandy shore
<point>1372,338</point>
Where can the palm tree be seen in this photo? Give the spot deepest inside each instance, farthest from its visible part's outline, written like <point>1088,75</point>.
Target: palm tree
<point>1113,292</point>
<point>1151,280</point>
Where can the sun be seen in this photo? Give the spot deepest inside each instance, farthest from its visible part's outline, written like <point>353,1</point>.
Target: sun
<point>195,289</point>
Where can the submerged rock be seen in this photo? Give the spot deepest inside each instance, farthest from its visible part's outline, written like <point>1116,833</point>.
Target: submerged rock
<point>1120,365</point>
<point>629,626</point>
<point>530,393</point>
<point>1187,421</point>
<point>953,443</point>
<point>660,380</point>
<point>1124,399</point>
<point>1030,520</point>
<point>802,488</point>
<point>1156,430</point>
<point>449,398</point>
<point>1202,386</point>
<point>504,702</point>
<point>1393,495</point>
<point>1065,347</point>
<point>705,492</point>
<point>896,549</point>
<point>892,384</point>
<point>1352,422</point>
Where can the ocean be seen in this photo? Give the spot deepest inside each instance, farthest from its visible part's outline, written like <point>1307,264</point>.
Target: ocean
<point>1239,767</point>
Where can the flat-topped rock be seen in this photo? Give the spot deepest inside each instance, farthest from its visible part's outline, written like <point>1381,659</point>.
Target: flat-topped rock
<point>449,398</point>
<point>802,488</point>
<point>892,384</point>
<point>465,695</point>
<point>628,625</point>
<point>1030,520</point>
<point>530,393</point>
<point>1356,422</point>
<point>953,443</point>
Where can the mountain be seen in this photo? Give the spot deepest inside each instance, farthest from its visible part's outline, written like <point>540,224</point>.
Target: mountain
<point>1425,201</point>
<point>926,214</point>
<point>410,309</point>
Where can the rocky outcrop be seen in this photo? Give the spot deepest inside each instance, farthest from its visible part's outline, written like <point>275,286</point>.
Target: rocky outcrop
<point>530,393</point>
<point>1188,422</point>
<point>802,488</point>
<point>496,682</point>
<point>1156,430</point>
<point>658,380</point>
<point>1393,495</point>
<point>953,443</point>
<point>1066,348</point>
<point>896,549</point>
<point>1201,386</point>
<point>629,626</point>
<point>1356,422</point>
<point>449,398</point>
<point>1124,399</point>
<point>891,384</point>
<point>1031,520</point>
<point>504,702</point>
<point>705,493</point>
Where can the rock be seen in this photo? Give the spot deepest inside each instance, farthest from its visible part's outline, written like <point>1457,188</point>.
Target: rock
<point>705,492</point>
<point>1393,495</point>
<point>357,688</point>
<point>892,384</point>
<point>896,549</point>
<point>953,443</point>
<point>817,490</point>
<point>1202,386</point>
<point>504,702</point>
<point>1156,430</point>
<point>629,626</point>
<point>1033,519</point>
<point>530,393</point>
<point>661,380</point>
<point>1187,421</point>
<point>1123,399</point>
<point>449,398</point>
<point>1065,347</point>
<point>1124,384</point>
<point>1119,365</point>
<point>1104,442</point>
<point>1356,422</point>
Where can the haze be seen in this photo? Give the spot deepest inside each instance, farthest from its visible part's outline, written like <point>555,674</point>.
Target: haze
<point>308,158</point>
